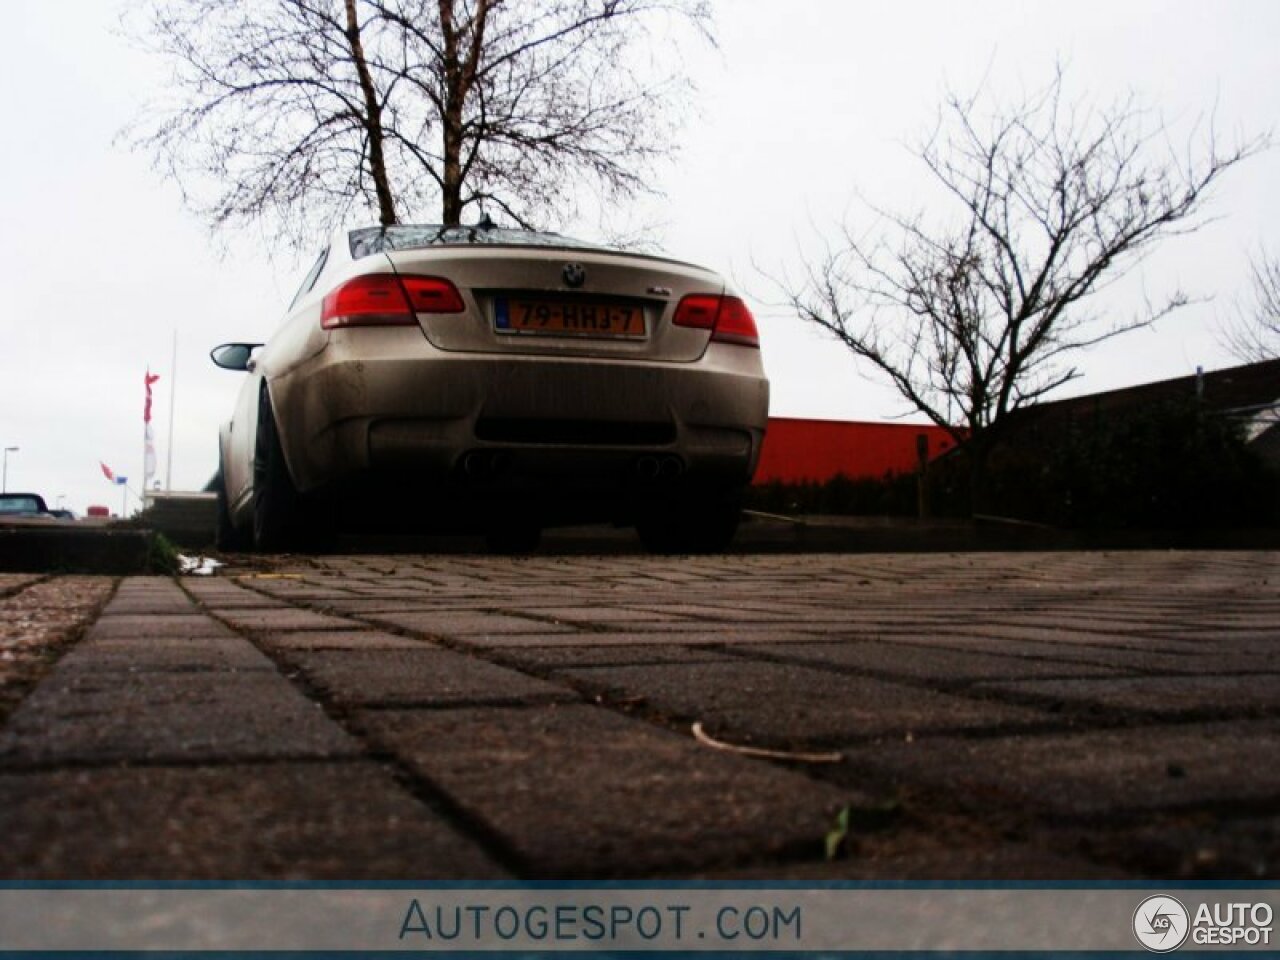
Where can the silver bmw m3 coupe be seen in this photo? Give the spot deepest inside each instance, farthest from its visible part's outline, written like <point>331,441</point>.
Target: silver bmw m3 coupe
<point>497,381</point>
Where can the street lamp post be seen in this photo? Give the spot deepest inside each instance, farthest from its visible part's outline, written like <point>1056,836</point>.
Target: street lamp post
<point>4,477</point>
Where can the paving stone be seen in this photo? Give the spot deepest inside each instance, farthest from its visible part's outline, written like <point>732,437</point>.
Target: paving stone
<point>96,717</point>
<point>1095,772</point>
<point>418,677</point>
<point>465,624</point>
<point>286,618</point>
<point>170,626</point>
<point>170,602</point>
<point>148,586</point>
<point>221,595</point>
<point>580,791</point>
<point>162,598</point>
<point>169,654</point>
<point>557,657</point>
<point>1260,617</point>
<point>924,662</point>
<point>147,607</point>
<point>779,631</point>
<point>728,613</point>
<point>785,705</point>
<point>1259,637</point>
<point>1056,634</point>
<point>1120,657</point>
<point>601,614</point>
<point>358,606</point>
<point>318,599</point>
<point>871,627</point>
<point>243,600</point>
<point>341,640</point>
<point>292,589</point>
<point>662,637</point>
<point>285,821</point>
<point>1240,694</point>
<point>1095,623</point>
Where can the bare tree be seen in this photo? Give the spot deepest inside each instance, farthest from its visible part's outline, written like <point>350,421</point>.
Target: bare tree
<point>293,112</point>
<point>1253,334</point>
<point>974,312</point>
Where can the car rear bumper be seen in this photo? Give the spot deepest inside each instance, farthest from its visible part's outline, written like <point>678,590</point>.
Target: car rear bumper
<point>385,401</point>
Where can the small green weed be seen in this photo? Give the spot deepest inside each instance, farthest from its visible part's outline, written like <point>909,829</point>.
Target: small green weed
<point>853,820</point>
<point>162,555</point>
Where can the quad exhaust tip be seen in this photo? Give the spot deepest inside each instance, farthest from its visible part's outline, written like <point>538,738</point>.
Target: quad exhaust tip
<point>481,464</point>
<point>659,468</point>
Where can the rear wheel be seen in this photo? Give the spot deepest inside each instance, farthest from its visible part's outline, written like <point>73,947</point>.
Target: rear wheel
<point>703,522</point>
<point>277,506</point>
<point>227,536</point>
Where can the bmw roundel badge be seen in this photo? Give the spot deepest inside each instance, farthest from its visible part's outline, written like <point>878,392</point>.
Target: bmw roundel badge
<point>574,274</point>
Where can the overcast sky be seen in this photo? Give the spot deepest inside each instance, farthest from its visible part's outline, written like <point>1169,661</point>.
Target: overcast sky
<point>805,106</point>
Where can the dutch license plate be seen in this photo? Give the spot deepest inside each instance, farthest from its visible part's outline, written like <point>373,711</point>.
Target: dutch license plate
<point>572,319</point>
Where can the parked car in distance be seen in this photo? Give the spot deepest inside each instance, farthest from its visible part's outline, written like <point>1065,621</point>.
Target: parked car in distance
<point>493,380</point>
<point>23,505</point>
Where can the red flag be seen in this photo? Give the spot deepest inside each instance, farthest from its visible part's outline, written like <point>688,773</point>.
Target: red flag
<point>107,471</point>
<point>149,380</point>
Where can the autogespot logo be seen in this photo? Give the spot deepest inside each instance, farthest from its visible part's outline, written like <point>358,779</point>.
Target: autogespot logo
<point>1161,923</point>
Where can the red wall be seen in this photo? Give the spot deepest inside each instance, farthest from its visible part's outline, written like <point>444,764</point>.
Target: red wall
<point>797,450</point>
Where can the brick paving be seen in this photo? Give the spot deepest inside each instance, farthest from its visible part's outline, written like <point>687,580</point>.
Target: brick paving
<point>1002,716</point>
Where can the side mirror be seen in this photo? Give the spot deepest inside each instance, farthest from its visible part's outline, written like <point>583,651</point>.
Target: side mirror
<point>233,356</point>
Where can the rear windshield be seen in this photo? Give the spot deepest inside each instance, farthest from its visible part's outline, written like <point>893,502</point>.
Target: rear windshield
<point>370,240</point>
<point>11,503</point>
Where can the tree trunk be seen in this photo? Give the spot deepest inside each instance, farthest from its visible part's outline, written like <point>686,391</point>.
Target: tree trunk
<point>460,68</point>
<point>451,187</point>
<point>372,121</point>
<point>454,97</point>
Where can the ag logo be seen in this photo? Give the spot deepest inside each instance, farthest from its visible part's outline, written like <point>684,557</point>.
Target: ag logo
<point>574,274</point>
<point>1161,923</point>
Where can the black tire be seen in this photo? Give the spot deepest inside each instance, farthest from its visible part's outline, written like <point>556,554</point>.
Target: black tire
<point>226,536</point>
<point>277,506</point>
<point>703,522</point>
<point>513,538</point>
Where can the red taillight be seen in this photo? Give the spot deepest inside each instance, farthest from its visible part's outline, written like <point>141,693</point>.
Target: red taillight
<point>432,295</point>
<point>370,301</point>
<point>384,299</point>
<point>697,310</point>
<point>736,324</point>
<point>728,318</point>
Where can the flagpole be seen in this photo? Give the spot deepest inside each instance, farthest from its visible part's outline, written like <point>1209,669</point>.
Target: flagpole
<point>173,390</point>
<point>143,487</point>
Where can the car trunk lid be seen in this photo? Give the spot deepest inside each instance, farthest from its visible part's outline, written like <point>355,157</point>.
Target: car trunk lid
<point>563,302</point>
